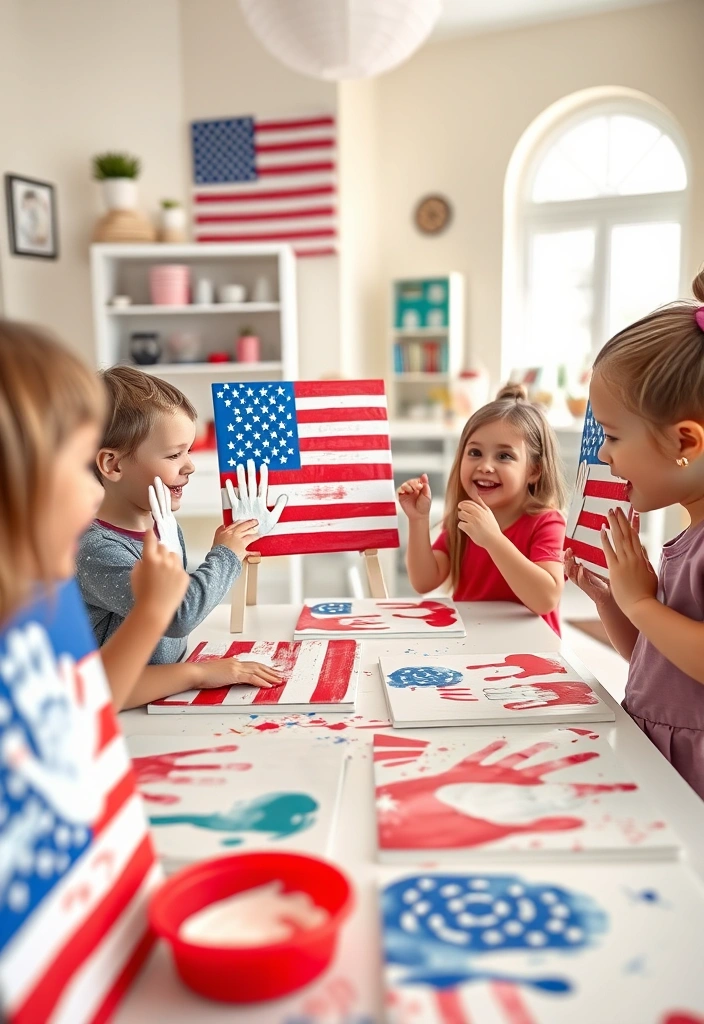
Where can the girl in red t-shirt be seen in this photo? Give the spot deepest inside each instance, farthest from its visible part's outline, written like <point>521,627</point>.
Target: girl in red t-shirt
<point>503,529</point>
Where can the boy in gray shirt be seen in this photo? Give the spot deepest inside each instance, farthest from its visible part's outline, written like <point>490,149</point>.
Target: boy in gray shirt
<point>151,427</point>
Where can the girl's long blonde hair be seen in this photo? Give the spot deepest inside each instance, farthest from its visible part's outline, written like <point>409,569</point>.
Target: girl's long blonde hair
<point>46,393</point>
<point>656,366</point>
<point>541,444</point>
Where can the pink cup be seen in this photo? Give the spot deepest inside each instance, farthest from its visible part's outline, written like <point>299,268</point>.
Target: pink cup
<point>169,285</point>
<point>247,349</point>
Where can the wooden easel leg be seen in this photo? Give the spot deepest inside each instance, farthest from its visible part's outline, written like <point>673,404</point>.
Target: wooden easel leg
<point>377,586</point>
<point>252,576</point>
<point>238,595</point>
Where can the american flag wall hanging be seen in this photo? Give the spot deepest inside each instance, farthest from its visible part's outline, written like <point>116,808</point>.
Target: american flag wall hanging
<point>258,181</point>
<point>327,449</point>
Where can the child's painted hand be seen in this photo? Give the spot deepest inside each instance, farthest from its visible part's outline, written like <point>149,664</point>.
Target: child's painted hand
<point>478,521</point>
<point>164,519</point>
<point>248,502</point>
<point>232,671</point>
<point>237,536</point>
<point>595,587</point>
<point>632,577</point>
<point>159,581</point>
<point>414,497</point>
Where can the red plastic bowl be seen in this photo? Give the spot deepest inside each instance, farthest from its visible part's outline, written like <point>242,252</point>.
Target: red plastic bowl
<point>236,975</point>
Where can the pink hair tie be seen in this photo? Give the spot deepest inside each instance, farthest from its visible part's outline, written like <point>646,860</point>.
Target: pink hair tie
<point>699,317</point>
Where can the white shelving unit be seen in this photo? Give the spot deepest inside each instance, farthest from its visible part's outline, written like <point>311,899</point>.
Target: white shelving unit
<point>124,270</point>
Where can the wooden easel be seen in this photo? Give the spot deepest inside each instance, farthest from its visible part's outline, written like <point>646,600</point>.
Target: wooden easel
<point>244,591</point>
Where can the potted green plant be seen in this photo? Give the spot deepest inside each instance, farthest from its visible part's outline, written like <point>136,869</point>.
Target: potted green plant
<point>118,173</point>
<point>173,221</point>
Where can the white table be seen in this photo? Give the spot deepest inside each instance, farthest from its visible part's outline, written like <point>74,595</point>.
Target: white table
<point>354,979</point>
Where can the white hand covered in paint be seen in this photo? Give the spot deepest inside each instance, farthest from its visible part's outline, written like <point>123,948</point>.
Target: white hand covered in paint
<point>249,502</point>
<point>165,520</point>
<point>524,696</point>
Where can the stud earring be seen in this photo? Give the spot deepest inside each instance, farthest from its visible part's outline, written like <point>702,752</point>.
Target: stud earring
<point>682,463</point>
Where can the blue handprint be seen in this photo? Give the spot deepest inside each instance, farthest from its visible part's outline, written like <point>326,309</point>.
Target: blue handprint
<point>332,608</point>
<point>424,675</point>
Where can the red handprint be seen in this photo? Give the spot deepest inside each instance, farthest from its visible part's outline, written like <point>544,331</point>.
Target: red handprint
<point>522,697</point>
<point>338,623</point>
<point>528,665</point>
<point>434,613</point>
<point>412,814</point>
<point>163,768</point>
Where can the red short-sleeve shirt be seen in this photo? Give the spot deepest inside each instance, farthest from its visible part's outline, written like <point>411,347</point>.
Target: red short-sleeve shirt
<point>540,538</point>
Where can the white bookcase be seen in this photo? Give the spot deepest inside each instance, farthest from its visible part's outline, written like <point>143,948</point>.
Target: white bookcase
<point>124,270</point>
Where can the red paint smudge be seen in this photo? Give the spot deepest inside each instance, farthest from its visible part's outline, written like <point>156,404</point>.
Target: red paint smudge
<point>267,727</point>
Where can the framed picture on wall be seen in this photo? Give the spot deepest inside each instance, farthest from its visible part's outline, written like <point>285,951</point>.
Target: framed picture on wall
<point>31,214</point>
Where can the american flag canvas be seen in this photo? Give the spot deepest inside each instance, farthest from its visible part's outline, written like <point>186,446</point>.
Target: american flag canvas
<point>266,181</point>
<point>77,865</point>
<point>326,445</point>
<point>596,491</point>
<point>319,675</point>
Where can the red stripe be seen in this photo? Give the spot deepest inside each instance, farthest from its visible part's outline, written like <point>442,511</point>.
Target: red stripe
<point>588,553</point>
<point>301,253</point>
<point>285,657</point>
<point>283,147</point>
<point>336,672</point>
<point>124,980</point>
<point>591,520</point>
<point>276,236</point>
<point>287,126</point>
<point>399,743</point>
<point>196,653</point>
<point>266,194</point>
<point>319,543</point>
<point>326,474</point>
<point>231,218</point>
<point>283,169</point>
<point>88,936</point>
<point>340,510</point>
<point>115,801</point>
<point>604,489</point>
<point>107,727</point>
<point>217,695</point>
<point>337,388</point>
<point>363,442</point>
<point>372,412</point>
<point>239,647</point>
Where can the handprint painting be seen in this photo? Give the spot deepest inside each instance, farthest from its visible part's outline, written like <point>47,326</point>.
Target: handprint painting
<point>76,862</point>
<point>318,461</point>
<point>561,792</point>
<point>489,689</point>
<point>611,944</point>
<point>368,617</point>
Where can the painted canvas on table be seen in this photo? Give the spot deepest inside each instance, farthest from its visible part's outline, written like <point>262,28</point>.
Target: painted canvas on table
<point>205,797</point>
<point>596,491</point>
<point>408,619</point>
<point>77,865</point>
<point>488,689</point>
<point>319,675</point>
<point>561,792</point>
<point>605,943</point>
<point>327,451</point>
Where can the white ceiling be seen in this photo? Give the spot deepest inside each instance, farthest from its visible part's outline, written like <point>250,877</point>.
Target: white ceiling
<point>468,16</point>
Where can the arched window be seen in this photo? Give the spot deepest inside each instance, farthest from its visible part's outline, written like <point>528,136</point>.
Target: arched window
<point>599,216</point>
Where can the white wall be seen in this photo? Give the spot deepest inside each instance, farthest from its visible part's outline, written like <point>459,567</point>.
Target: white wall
<point>78,77</point>
<point>226,72</point>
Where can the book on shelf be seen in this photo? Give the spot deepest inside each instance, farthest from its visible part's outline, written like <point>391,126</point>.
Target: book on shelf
<point>416,356</point>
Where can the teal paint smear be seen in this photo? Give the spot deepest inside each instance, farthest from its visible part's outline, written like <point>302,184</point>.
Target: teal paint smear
<point>279,814</point>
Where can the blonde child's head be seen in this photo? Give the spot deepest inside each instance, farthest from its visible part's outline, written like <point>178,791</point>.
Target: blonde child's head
<point>51,414</point>
<point>508,455</point>
<point>647,392</point>
<point>149,433</point>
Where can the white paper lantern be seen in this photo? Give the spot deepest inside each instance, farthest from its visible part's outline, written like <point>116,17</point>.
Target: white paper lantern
<point>336,39</point>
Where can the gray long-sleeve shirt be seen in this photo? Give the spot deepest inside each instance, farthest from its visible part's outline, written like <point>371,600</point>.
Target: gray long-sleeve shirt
<point>105,560</point>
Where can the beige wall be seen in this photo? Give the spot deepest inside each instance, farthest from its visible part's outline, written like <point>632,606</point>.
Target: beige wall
<point>227,72</point>
<point>78,77</point>
<point>449,119</point>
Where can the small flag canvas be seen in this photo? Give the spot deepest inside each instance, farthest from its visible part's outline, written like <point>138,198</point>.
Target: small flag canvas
<point>327,450</point>
<point>596,491</point>
<point>266,180</point>
<point>77,866</point>
<point>560,793</point>
<point>488,689</point>
<point>320,675</point>
<point>389,620</point>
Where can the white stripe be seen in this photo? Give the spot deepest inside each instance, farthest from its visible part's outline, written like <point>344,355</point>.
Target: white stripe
<point>269,183</point>
<point>96,693</point>
<point>336,525</point>
<point>305,673</point>
<point>599,472</point>
<point>296,157</point>
<point>588,536</point>
<point>278,136</point>
<point>262,650</point>
<point>600,570</point>
<point>600,506</point>
<point>344,458</point>
<point>369,491</point>
<point>285,226</point>
<point>343,428</point>
<point>341,402</point>
<point>179,698</point>
<point>99,972</point>
<point>264,205</point>
<point>112,764</point>
<point>34,948</point>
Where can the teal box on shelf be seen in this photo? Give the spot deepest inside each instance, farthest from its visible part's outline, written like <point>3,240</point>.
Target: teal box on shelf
<point>422,303</point>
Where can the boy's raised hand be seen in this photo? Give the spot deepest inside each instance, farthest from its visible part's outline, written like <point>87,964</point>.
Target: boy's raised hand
<point>159,581</point>
<point>237,536</point>
<point>164,519</point>
<point>414,497</point>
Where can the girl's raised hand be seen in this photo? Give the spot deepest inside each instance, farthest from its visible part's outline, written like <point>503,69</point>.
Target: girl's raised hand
<point>633,578</point>
<point>414,497</point>
<point>595,587</point>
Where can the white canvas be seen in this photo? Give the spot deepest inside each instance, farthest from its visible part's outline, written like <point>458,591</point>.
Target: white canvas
<point>206,798</point>
<point>560,793</point>
<point>596,944</point>
<point>488,689</point>
<point>319,675</point>
<point>426,618</point>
